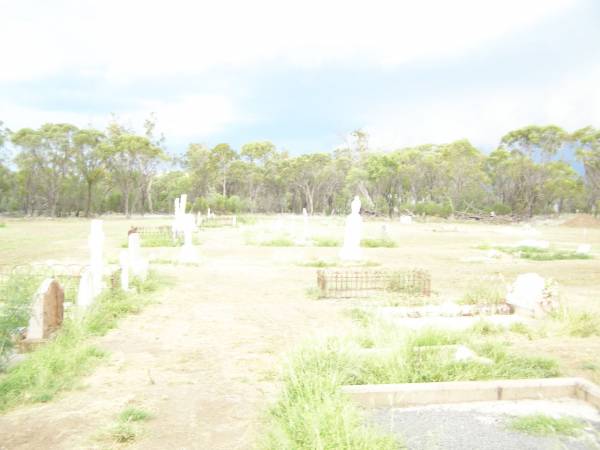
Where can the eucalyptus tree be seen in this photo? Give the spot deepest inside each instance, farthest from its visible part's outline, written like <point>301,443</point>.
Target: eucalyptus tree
<point>47,156</point>
<point>587,144</point>
<point>221,158</point>
<point>90,161</point>
<point>531,148</point>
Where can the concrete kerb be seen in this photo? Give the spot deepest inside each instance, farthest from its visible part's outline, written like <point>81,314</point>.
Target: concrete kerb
<point>419,394</point>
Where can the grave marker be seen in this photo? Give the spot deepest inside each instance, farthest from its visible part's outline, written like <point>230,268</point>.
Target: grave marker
<point>351,250</point>
<point>47,311</point>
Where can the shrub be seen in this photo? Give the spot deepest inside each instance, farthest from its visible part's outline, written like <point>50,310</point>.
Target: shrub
<point>380,242</point>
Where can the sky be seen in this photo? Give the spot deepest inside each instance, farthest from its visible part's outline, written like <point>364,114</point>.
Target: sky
<point>303,74</point>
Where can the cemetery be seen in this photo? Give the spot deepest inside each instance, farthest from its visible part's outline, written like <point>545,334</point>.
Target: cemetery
<point>394,333</point>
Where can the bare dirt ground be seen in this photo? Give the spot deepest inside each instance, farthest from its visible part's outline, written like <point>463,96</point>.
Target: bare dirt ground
<point>205,358</point>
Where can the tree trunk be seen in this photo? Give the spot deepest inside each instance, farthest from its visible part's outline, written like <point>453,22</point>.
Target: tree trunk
<point>88,202</point>
<point>127,213</point>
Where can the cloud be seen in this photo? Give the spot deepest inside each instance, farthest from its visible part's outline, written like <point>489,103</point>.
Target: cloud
<point>484,116</point>
<point>127,40</point>
<point>195,116</point>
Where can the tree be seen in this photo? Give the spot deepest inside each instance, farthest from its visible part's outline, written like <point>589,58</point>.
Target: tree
<point>221,157</point>
<point>587,145</point>
<point>90,160</point>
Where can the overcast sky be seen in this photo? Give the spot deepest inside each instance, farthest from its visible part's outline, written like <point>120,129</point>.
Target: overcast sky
<point>303,74</point>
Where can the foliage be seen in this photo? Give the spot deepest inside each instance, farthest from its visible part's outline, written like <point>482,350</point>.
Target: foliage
<point>543,425</point>
<point>378,242</point>
<point>59,169</point>
<point>322,241</point>
<point>543,254</point>
<point>278,242</point>
<point>16,295</point>
<point>483,292</point>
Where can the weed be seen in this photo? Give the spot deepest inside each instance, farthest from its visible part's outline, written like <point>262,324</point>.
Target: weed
<point>542,254</point>
<point>543,425</point>
<point>582,324</point>
<point>122,433</point>
<point>278,242</point>
<point>483,292</point>
<point>314,293</point>
<point>360,316</point>
<point>519,328</point>
<point>379,242</point>
<point>319,263</point>
<point>326,242</point>
<point>2,225</point>
<point>486,328</point>
<point>134,415</point>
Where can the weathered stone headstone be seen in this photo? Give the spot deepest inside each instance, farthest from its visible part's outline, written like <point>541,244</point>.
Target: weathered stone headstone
<point>528,295</point>
<point>47,311</point>
<point>188,253</point>
<point>96,243</point>
<point>351,251</point>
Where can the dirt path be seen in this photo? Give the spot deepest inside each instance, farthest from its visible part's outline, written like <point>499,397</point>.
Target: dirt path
<point>203,361</point>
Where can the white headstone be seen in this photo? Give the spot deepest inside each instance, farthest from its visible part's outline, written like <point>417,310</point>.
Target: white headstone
<point>96,243</point>
<point>124,263</point>
<point>527,292</point>
<point>405,219</point>
<point>584,249</point>
<point>188,253</point>
<point>351,251</point>
<point>304,225</point>
<point>85,293</point>
<point>138,265</point>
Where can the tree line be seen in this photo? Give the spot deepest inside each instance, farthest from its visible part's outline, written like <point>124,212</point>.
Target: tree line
<point>59,169</point>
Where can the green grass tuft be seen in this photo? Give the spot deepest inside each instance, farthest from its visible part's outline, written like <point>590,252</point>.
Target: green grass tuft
<point>134,415</point>
<point>483,292</point>
<point>322,241</point>
<point>543,425</point>
<point>319,263</point>
<point>123,433</point>
<point>278,242</point>
<point>379,242</point>
<point>542,254</point>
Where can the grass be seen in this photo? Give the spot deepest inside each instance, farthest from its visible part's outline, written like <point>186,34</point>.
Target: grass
<point>319,263</point>
<point>2,225</point>
<point>16,295</point>
<point>127,427</point>
<point>483,292</point>
<point>311,413</point>
<point>278,242</point>
<point>379,242</point>
<point>581,324</point>
<point>322,241</point>
<point>314,293</point>
<point>58,365</point>
<point>538,254</point>
<point>543,425</point>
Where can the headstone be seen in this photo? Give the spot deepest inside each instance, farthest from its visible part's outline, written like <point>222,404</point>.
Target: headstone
<point>527,293</point>
<point>405,219</point>
<point>96,243</point>
<point>138,265</point>
<point>124,264</point>
<point>85,292</point>
<point>208,213</point>
<point>584,249</point>
<point>188,253</point>
<point>47,311</point>
<point>234,221</point>
<point>351,251</point>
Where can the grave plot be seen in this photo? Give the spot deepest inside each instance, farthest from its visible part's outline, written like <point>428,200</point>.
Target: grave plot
<point>161,236</point>
<point>363,283</point>
<point>218,221</point>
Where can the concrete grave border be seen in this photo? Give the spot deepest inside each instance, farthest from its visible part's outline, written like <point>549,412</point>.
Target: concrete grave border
<point>420,394</point>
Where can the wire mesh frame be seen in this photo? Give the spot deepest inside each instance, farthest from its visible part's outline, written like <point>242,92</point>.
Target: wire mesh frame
<point>362,283</point>
<point>68,275</point>
<point>218,221</point>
